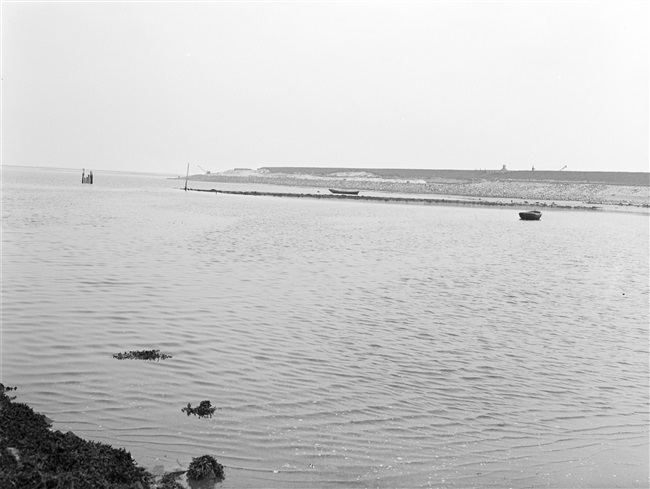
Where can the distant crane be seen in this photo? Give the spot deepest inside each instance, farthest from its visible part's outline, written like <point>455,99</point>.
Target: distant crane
<point>563,168</point>
<point>207,172</point>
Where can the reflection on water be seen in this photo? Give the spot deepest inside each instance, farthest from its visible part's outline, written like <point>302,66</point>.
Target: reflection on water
<point>343,343</point>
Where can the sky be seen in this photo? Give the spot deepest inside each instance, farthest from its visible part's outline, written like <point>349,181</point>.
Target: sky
<point>153,86</point>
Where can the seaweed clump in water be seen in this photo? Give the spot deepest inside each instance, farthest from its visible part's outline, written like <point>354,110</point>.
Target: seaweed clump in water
<point>141,355</point>
<point>205,467</point>
<point>204,410</point>
<point>31,455</point>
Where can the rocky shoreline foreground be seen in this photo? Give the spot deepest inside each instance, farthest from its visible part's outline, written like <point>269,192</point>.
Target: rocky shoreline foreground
<point>34,456</point>
<point>587,189</point>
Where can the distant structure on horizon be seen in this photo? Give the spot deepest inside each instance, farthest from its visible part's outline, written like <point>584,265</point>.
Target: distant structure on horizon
<point>86,178</point>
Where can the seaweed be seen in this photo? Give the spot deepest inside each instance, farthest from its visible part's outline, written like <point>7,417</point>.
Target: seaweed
<point>141,355</point>
<point>205,467</point>
<point>6,388</point>
<point>204,410</point>
<point>31,455</point>
<point>34,456</point>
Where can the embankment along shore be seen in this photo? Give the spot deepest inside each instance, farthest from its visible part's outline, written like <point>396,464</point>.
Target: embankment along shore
<point>583,189</point>
<point>608,178</point>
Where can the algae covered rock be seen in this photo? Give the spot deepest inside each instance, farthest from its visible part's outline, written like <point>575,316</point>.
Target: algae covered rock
<point>141,355</point>
<point>31,455</point>
<point>34,456</point>
<point>205,467</point>
<point>204,410</point>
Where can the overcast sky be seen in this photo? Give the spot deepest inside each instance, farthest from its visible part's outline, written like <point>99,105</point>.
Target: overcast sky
<point>152,86</point>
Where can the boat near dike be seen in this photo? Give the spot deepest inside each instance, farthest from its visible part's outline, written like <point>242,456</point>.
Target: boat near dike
<point>344,192</point>
<point>530,216</point>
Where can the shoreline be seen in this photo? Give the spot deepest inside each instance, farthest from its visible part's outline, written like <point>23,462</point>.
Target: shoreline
<point>497,190</point>
<point>33,454</point>
<point>444,201</point>
<point>442,176</point>
<point>398,200</point>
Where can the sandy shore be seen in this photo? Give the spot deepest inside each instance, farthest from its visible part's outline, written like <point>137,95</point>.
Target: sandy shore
<point>567,189</point>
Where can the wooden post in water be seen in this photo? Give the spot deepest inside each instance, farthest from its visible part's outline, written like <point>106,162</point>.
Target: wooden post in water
<point>186,176</point>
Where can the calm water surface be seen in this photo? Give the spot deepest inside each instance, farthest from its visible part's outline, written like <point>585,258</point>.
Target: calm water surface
<point>345,344</point>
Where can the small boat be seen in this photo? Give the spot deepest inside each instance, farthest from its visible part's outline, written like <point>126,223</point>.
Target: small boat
<point>344,192</point>
<point>530,215</point>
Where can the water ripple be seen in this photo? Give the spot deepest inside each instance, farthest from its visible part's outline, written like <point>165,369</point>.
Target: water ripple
<point>343,344</point>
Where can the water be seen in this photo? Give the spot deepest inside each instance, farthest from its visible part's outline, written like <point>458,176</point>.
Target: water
<point>345,344</point>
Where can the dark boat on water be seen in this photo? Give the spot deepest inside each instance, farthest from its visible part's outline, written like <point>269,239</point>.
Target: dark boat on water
<point>344,192</point>
<point>530,216</point>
